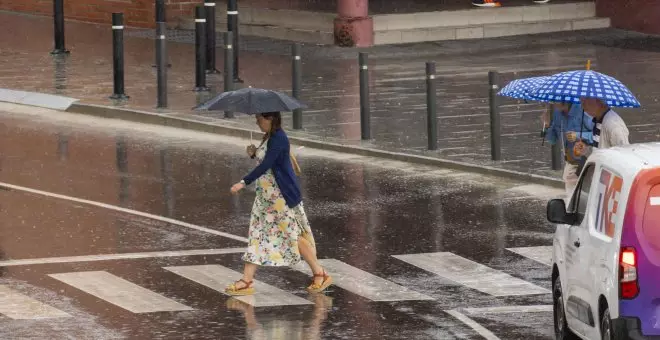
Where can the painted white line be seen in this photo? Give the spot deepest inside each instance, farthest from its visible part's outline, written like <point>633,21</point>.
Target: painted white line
<point>124,210</point>
<point>655,200</point>
<point>120,292</point>
<point>218,277</point>
<point>472,274</point>
<point>20,307</point>
<point>364,284</point>
<point>481,330</point>
<point>541,254</point>
<point>124,256</point>
<point>508,309</point>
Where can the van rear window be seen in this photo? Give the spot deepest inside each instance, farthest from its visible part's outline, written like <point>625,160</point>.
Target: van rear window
<point>651,224</point>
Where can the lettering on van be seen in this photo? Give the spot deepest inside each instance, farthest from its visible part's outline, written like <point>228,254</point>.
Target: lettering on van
<point>609,192</point>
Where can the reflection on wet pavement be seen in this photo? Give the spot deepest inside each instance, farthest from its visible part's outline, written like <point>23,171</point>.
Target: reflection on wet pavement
<point>371,219</point>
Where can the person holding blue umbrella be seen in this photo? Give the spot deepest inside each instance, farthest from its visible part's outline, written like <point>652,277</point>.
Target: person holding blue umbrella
<point>597,93</point>
<point>569,127</point>
<point>610,130</point>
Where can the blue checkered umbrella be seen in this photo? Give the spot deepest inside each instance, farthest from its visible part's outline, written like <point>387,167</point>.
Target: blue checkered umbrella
<point>521,88</point>
<point>572,85</point>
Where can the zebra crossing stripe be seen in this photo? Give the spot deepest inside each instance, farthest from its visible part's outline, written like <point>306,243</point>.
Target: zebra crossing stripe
<point>119,292</point>
<point>359,282</point>
<point>481,330</point>
<point>472,274</point>
<point>218,277</point>
<point>17,306</point>
<point>542,254</point>
<point>508,309</point>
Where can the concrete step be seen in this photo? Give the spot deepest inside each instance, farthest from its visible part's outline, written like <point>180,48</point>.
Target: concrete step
<point>317,27</point>
<point>485,16</point>
<point>402,36</point>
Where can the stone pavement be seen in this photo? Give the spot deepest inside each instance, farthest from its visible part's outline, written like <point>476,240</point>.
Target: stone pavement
<point>330,83</point>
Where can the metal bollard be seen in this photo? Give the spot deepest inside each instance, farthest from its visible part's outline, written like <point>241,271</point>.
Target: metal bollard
<point>431,107</point>
<point>365,118</point>
<point>160,17</point>
<point>210,36</point>
<point>296,81</point>
<point>232,26</point>
<point>556,157</point>
<point>118,56</point>
<point>161,64</point>
<point>229,65</point>
<point>495,130</point>
<point>58,18</point>
<point>200,49</point>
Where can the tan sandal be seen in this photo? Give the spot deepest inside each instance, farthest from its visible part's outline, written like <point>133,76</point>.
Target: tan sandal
<point>317,288</point>
<point>233,290</point>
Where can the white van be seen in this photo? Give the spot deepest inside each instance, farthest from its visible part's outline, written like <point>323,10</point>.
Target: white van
<point>606,248</point>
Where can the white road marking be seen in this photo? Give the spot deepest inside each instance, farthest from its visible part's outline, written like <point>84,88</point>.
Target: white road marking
<point>124,256</point>
<point>481,330</point>
<point>541,254</point>
<point>508,309</point>
<point>119,292</point>
<point>20,307</point>
<point>124,210</point>
<point>472,274</point>
<point>655,200</point>
<point>359,282</point>
<point>218,277</point>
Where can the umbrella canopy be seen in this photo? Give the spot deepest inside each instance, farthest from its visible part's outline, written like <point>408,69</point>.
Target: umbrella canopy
<point>252,101</point>
<point>521,88</point>
<point>572,85</point>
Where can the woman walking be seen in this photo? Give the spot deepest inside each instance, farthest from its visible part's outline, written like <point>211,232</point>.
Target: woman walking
<point>279,233</point>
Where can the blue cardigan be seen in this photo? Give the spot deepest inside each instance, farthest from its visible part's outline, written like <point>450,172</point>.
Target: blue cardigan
<point>278,159</point>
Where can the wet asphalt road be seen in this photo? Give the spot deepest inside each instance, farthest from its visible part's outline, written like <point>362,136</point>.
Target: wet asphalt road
<point>363,212</point>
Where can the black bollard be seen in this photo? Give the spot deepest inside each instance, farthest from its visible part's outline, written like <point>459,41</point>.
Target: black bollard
<point>556,157</point>
<point>58,18</point>
<point>229,65</point>
<point>118,56</point>
<point>160,18</point>
<point>296,81</point>
<point>161,64</point>
<point>200,49</point>
<point>232,26</point>
<point>431,107</point>
<point>210,36</point>
<point>495,130</point>
<point>365,127</point>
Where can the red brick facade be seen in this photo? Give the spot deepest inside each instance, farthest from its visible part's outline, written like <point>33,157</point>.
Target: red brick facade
<point>137,13</point>
<point>635,15</point>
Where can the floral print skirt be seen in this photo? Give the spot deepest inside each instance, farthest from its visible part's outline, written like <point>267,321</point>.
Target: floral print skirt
<point>274,227</point>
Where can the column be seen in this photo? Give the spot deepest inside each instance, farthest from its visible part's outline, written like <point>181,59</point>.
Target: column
<point>353,25</point>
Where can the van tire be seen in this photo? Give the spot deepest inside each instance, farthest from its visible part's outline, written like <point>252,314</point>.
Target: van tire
<point>606,325</point>
<point>562,332</point>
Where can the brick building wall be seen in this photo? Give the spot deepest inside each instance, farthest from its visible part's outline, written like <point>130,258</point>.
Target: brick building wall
<point>137,13</point>
<point>635,15</point>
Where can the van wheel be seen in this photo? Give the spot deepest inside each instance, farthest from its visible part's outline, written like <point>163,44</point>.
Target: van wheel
<point>607,332</point>
<point>561,327</point>
<point>606,325</point>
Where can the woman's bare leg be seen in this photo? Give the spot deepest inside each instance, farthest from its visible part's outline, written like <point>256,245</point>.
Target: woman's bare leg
<point>309,254</point>
<point>248,273</point>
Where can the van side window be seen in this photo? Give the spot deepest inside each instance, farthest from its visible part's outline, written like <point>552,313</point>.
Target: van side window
<point>581,196</point>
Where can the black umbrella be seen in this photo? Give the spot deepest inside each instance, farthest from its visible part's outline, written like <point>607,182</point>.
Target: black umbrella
<point>252,101</point>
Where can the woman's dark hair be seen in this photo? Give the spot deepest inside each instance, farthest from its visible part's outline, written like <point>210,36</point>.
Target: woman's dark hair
<point>276,123</point>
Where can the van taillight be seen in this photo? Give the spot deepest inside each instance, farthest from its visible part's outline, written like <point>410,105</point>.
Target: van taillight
<point>628,286</point>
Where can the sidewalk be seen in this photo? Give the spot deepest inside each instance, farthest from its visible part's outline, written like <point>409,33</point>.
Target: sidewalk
<point>330,84</point>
